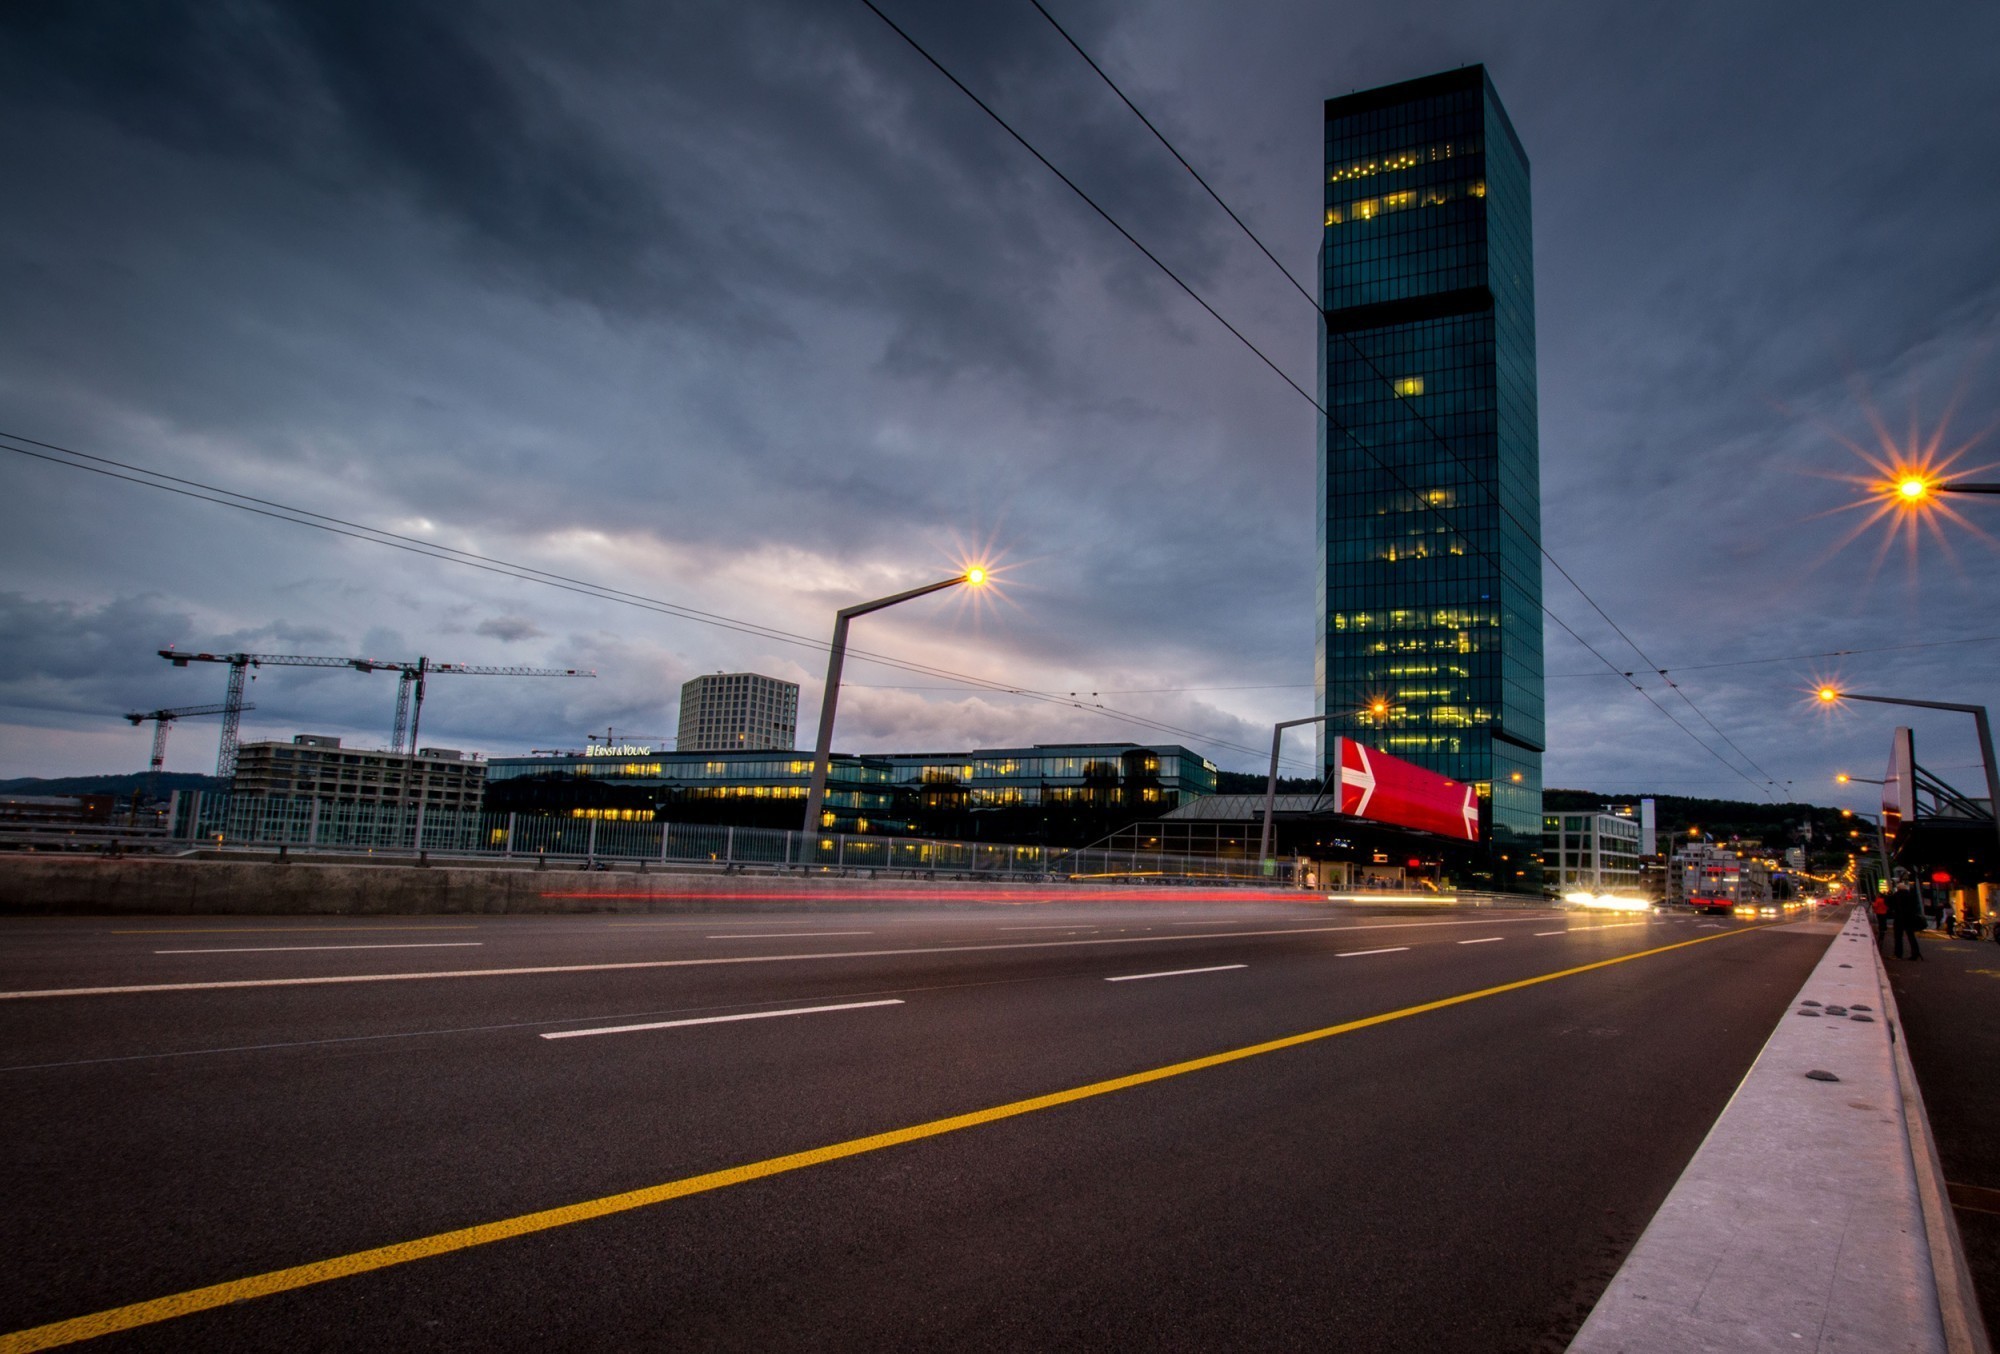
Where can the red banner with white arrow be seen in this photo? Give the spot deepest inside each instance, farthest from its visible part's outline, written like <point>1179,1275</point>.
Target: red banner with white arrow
<point>1385,789</point>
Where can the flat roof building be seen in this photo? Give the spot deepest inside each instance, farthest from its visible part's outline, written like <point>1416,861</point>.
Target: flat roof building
<point>1591,853</point>
<point>738,712</point>
<point>1044,792</point>
<point>313,766</point>
<point>1430,624</point>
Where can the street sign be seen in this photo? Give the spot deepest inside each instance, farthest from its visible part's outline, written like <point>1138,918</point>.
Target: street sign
<point>1385,789</point>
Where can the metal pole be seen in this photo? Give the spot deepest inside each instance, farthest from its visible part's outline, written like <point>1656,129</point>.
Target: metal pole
<point>1271,783</point>
<point>1992,774</point>
<point>822,747</point>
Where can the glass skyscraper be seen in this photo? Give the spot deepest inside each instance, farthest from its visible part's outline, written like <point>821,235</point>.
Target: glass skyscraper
<point>1430,635</point>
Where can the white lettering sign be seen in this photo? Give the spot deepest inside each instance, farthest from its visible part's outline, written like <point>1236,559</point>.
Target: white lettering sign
<point>617,750</point>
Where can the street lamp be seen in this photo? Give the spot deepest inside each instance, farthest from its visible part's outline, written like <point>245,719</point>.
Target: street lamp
<point>1271,785</point>
<point>816,792</point>
<point>1913,488</point>
<point>1881,840</point>
<point>1833,695</point>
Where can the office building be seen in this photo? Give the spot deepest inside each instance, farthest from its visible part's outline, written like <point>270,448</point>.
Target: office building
<point>1591,853</point>
<point>738,712</point>
<point>313,766</point>
<point>1057,792</point>
<point>1430,627</point>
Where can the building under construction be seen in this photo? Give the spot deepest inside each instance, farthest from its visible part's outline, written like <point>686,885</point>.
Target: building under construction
<point>313,766</point>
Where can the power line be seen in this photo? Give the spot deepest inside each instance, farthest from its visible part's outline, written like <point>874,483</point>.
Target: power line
<point>1802,657</point>
<point>284,512</point>
<point>1423,501</point>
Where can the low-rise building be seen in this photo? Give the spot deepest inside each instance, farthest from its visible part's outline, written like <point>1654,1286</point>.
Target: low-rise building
<point>314,766</point>
<point>1705,870</point>
<point>1068,792</point>
<point>1591,852</point>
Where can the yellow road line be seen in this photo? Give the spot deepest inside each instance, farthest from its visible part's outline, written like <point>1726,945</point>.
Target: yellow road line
<point>194,1300</point>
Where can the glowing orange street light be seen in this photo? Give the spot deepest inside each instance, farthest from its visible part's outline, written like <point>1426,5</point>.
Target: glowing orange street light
<point>975,575</point>
<point>1828,694</point>
<point>1913,488</point>
<point>1378,708</point>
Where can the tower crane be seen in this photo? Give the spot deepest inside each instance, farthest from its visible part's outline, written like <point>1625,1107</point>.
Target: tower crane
<point>164,720</point>
<point>239,664</point>
<point>410,691</point>
<point>409,709</point>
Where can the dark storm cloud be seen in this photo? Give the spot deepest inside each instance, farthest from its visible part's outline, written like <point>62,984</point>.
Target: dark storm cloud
<point>744,306</point>
<point>375,93</point>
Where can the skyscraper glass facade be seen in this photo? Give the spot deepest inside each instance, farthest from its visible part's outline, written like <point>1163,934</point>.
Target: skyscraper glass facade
<point>1430,636</point>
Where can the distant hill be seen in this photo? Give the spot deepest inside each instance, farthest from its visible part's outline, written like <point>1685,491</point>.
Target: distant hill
<point>170,781</point>
<point>1250,783</point>
<point>1776,825</point>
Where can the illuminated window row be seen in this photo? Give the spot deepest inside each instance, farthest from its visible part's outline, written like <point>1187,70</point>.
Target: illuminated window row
<point>1403,159</point>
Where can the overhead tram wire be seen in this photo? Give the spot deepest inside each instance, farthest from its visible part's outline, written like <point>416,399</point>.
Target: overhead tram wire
<point>1442,441</point>
<point>284,512</point>
<point>1800,657</point>
<point>1420,498</point>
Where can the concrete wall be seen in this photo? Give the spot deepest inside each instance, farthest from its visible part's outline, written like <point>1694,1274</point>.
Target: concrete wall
<point>73,885</point>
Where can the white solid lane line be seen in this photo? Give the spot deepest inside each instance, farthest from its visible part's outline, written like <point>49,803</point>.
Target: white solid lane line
<point>634,965</point>
<point>1356,954</point>
<point>718,1020</point>
<point>1562,932</point>
<point>1173,973</point>
<point>789,935</point>
<point>1483,940</point>
<point>276,949</point>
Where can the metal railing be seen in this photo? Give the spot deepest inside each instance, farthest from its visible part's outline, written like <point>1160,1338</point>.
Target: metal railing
<point>211,822</point>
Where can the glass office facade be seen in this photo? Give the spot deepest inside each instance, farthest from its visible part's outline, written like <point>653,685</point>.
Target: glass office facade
<point>1069,792</point>
<point>1430,635</point>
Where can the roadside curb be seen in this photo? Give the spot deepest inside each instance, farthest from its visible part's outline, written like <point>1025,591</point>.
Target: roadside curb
<point>1958,1301</point>
<point>1801,1222</point>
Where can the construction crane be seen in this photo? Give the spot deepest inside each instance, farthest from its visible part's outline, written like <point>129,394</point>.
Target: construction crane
<point>164,720</point>
<point>611,738</point>
<point>239,663</point>
<point>409,710</point>
<point>410,690</point>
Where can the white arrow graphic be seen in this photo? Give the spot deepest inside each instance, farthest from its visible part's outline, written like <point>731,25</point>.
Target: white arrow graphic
<point>1364,778</point>
<point>1471,815</point>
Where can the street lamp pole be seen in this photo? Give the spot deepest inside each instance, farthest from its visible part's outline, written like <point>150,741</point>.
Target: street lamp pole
<point>822,749</point>
<point>1271,783</point>
<point>1830,694</point>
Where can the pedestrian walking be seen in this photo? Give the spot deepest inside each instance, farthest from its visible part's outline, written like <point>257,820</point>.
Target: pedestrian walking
<point>1879,916</point>
<point>1906,913</point>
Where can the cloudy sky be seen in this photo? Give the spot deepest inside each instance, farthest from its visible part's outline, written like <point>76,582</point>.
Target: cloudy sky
<point>741,307</point>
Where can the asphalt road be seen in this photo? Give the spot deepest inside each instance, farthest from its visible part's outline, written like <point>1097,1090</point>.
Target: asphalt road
<point>186,1112</point>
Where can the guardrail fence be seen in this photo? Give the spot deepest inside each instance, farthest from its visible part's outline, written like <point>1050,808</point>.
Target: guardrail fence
<point>262,823</point>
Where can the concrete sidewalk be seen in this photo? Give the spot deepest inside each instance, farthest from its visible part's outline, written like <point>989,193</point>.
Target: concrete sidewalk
<point>1801,1223</point>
